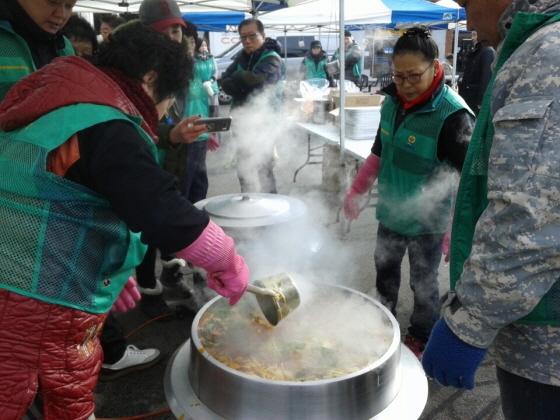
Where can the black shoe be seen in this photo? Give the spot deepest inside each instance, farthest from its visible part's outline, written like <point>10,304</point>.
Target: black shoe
<point>198,278</point>
<point>173,278</point>
<point>154,306</point>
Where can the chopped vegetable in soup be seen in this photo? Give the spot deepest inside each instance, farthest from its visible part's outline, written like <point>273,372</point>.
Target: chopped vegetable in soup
<point>335,334</point>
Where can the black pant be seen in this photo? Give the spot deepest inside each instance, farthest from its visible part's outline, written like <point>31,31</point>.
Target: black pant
<point>424,256</point>
<point>112,340</point>
<point>196,177</point>
<point>523,399</point>
<point>146,271</point>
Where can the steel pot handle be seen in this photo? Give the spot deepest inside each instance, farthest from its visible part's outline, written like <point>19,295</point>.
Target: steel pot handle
<point>261,291</point>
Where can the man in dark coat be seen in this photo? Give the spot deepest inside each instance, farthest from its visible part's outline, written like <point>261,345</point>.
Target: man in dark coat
<point>478,70</point>
<point>254,82</point>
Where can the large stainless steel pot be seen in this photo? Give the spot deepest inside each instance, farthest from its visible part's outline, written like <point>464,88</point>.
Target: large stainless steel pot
<point>235,395</point>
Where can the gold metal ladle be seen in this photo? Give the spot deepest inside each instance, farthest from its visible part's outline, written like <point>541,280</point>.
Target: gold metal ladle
<point>276,295</point>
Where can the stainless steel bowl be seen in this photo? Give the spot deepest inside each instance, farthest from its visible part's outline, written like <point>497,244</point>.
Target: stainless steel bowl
<point>235,395</point>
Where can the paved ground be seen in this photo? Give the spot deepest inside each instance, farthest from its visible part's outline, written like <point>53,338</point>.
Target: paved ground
<point>347,261</point>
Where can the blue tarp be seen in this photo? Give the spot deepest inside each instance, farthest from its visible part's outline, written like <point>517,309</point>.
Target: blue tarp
<point>421,11</point>
<point>215,21</point>
<point>219,21</point>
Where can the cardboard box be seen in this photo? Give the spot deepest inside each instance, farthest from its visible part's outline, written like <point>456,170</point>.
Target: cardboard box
<point>356,99</point>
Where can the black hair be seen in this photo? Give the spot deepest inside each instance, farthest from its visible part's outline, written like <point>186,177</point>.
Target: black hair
<point>417,40</point>
<point>198,44</point>
<point>136,49</point>
<point>190,30</point>
<point>249,21</point>
<point>113,21</point>
<point>79,29</point>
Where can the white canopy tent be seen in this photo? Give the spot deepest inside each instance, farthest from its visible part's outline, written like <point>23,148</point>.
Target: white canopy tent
<point>359,14</point>
<point>186,6</point>
<point>324,14</point>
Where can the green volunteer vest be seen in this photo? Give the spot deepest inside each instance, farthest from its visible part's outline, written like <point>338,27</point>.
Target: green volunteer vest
<point>265,54</point>
<point>473,188</point>
<point>315,71</point>
<point>197,98</point>
<point>70,248</point>
<point>16,61</point>
<point>408,203</point>
<point>356,68</point>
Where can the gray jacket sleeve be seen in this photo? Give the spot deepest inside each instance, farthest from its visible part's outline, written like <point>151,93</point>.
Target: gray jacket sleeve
<point>353,55</point>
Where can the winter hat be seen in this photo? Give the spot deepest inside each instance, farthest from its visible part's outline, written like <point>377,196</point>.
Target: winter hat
<point>315,44</point>
<point>160,14</point>
<point>347,34</point>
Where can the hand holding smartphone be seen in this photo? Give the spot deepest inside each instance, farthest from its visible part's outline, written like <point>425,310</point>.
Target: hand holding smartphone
<point>216,124</point>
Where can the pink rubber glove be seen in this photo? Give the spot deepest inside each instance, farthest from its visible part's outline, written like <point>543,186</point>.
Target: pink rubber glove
<point>362,184</point>
<point>213,143</point>
<point>446,243</point>
<point>128,297</point>
<point>215,252</point>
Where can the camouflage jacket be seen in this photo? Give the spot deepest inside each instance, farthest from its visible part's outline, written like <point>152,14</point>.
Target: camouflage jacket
<point>515,257</point>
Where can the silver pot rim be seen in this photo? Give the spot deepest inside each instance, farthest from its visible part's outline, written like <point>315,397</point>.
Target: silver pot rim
<point>379,362</point>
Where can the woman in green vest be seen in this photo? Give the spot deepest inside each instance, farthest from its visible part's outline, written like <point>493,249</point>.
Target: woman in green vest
<point>313,64</point>
<point>30,39</point>
<point>421,142</point>
<point>86,193</point>
<point>195,184</point>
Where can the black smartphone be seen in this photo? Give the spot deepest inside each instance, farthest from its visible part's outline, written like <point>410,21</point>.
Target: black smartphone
<point>215,124</point>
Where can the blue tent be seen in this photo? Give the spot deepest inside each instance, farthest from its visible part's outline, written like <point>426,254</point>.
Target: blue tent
<point>219,21</point>
<point>215,21</point>
<point>407,11</point>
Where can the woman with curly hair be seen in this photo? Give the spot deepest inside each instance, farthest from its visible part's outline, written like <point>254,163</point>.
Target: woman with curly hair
<point>85,195</point>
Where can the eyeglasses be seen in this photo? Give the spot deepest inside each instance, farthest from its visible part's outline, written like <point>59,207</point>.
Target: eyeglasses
<point>250,37</point>
<point>412,78</point>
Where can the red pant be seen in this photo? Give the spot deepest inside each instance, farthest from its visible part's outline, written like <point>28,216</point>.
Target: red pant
<point>49,345</point>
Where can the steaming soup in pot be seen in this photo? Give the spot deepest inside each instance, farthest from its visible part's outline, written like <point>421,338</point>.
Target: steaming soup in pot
<point>334,333</point>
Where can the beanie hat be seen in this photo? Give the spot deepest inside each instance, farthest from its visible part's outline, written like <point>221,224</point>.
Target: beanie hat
<point>347,34</point>
<point>160,14</point>
<point>315,44</point>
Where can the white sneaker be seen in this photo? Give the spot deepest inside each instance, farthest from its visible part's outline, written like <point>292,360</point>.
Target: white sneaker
<point>133,360</point>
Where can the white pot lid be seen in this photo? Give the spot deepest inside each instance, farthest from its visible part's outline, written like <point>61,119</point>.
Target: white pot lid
<point>246,210</point>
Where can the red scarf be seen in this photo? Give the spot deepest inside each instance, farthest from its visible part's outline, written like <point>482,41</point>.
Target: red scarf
<point>426,95</point>
<point>133,90</point>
